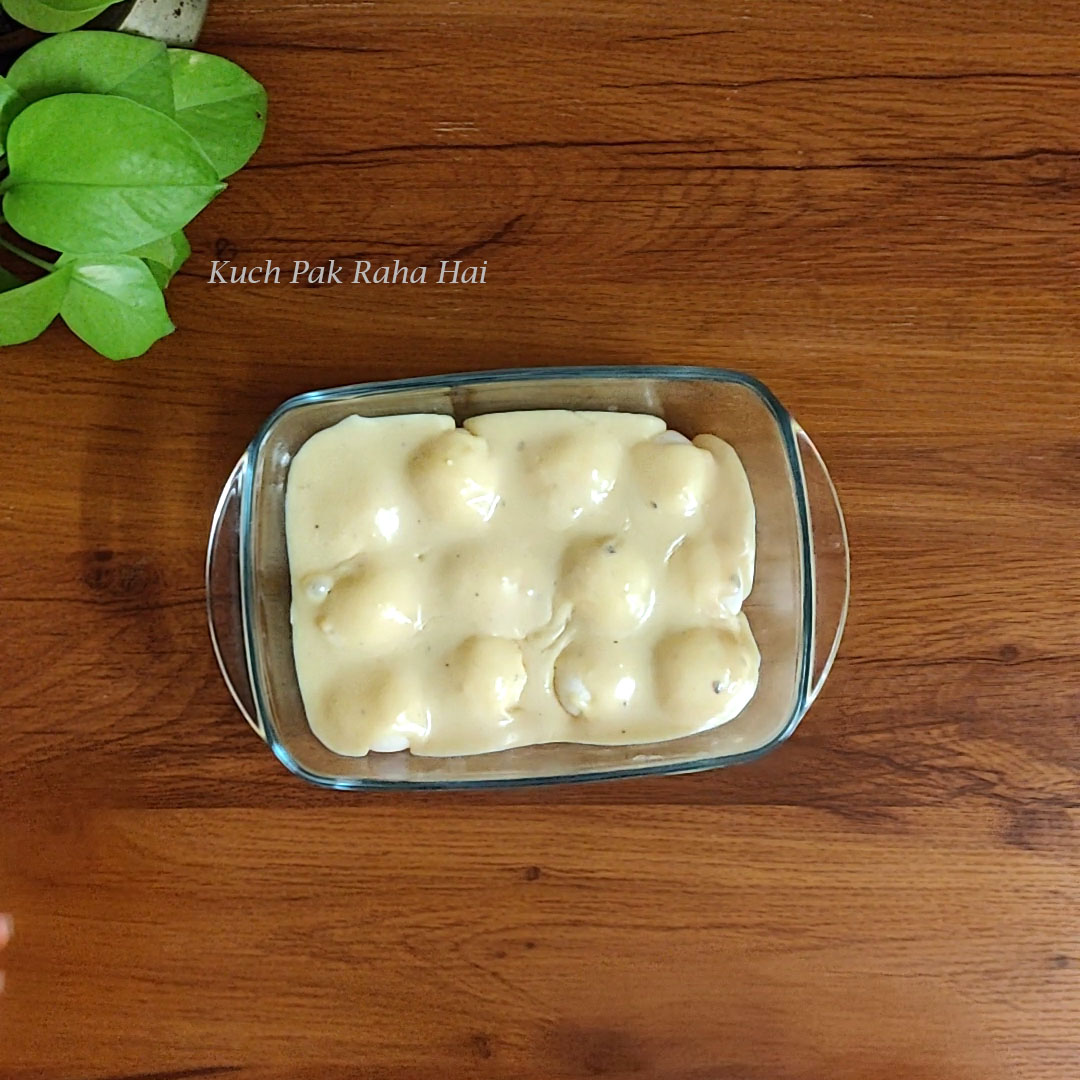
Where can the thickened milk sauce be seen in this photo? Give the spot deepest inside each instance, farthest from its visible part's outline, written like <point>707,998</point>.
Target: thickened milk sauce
<point>529,577</point>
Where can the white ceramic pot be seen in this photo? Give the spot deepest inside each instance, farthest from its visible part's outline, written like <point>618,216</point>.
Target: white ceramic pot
<point>176,22</point>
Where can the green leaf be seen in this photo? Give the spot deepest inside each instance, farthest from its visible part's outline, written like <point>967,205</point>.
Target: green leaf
<point>8,280</point>
<point>96,62</point>
<point>75,5</point>
<point>11,104</point>
<point>93,173</point>
<point>221,105</point>
<point>114,304</point>
<point>27,310</point>
<point>164,256</point>
<point>54,16</point>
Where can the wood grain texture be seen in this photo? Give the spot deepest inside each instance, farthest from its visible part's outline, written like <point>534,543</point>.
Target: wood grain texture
<point>873,207</point>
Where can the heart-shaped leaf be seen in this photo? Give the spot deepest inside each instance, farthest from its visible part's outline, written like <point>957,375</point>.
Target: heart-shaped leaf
<point>164,256</point>
<point>96,62</point>
<point>221,106</point>
<point>75,5</point>
<point>114,304</point>
<point>54,16</point>
<point>95,173</point>
<point>27,310</point>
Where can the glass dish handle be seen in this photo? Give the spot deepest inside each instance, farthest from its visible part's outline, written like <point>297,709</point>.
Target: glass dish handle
<point>831,562</point>
<point>223,610</point>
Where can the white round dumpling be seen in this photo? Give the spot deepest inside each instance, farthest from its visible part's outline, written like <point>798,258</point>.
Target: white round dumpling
<point>496,589</point>
<point>706,675</point>
<point>374,607</point>
<point>381,709</point>
<point>456,478</point>
<point>364,515</point>
<point>673,476</point>
<point>575,471</point>
<point>487,676</point>
<point>708,576</point>
<point>597,681</point>
<point>609,583</point>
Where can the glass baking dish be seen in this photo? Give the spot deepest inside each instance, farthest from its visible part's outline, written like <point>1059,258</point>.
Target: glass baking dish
<point>797,607</point>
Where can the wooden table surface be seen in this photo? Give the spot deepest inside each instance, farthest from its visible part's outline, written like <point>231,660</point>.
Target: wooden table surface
<point>871,206</point>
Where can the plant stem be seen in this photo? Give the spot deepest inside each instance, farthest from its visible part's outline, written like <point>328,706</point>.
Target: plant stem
<point>41,264</point>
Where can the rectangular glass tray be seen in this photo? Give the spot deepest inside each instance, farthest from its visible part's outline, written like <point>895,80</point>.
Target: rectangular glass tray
<point>797,607</point>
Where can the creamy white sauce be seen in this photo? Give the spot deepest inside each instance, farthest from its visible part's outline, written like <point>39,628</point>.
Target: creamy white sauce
<point>529,577</point>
